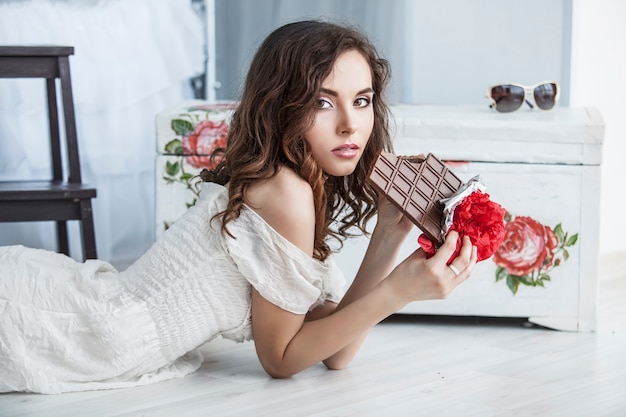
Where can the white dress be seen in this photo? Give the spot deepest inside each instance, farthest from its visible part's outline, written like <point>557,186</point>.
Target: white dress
<point>69,326</point>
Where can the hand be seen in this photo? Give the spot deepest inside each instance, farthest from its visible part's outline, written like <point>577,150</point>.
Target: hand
<point>391,218</point>
<point>418,278</point>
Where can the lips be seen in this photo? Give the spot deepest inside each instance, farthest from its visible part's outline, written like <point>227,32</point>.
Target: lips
<point>347,146</point>
<point>349,150</point>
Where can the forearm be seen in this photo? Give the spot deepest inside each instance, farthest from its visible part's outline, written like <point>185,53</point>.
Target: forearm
<point>333,339</point>
<point>377,263</point>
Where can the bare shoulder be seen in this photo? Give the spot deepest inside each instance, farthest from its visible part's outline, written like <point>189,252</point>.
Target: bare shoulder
<point>285,202</point>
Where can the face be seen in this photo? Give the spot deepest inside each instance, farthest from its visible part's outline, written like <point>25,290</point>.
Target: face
<point>344,117</point>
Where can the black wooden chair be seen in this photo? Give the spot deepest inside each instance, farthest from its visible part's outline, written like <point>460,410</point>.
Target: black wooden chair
<point>63,196</point>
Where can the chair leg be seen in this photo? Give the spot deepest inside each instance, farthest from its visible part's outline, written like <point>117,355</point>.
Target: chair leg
<point>87,230</point>
<point>62,242</point>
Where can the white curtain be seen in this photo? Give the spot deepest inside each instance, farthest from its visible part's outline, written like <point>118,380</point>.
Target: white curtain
<point>133,59</point>
<point>241,25</point>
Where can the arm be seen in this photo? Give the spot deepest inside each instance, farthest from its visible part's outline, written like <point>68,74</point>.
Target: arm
<point>381,254</point>
<point>287,343</point>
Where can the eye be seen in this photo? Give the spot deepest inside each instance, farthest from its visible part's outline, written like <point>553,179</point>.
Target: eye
<point>362,102</point>
<point>323,103</point>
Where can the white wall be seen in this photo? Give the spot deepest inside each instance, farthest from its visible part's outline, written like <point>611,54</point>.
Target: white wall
<point>598,75</point>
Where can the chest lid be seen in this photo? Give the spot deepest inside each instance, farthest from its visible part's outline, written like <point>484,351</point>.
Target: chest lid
<point>563,135</point>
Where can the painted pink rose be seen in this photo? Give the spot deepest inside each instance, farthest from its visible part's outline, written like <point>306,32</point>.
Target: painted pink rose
<point>528,246</point>
<point>206,137</point>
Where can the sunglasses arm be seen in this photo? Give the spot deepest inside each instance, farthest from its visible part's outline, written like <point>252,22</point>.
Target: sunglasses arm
<point>529,104</point>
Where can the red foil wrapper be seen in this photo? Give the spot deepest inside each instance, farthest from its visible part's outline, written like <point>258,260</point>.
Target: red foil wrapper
<point>471,212</point>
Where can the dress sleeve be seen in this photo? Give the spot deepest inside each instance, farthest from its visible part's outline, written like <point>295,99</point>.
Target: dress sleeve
<point>281,272</point>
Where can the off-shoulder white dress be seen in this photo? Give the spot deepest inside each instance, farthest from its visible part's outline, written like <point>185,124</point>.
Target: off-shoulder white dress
<point>69,326</point>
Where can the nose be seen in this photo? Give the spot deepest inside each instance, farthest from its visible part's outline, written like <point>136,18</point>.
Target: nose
<point>347,123</point>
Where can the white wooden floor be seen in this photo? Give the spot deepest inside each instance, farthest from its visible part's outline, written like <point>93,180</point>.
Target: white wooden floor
<point>409,366</point>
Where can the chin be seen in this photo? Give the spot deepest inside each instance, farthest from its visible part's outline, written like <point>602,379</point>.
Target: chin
<point>340,172</point>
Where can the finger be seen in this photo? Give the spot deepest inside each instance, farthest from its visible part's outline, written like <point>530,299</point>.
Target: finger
<point>466,249</point>
<point>469,266</point>
<point>466,259</point>
<point>447,249</point>
<point>474,257</point>
<point>454,270</point>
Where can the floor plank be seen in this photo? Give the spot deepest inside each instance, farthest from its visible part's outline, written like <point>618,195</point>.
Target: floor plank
<point>408,366</point>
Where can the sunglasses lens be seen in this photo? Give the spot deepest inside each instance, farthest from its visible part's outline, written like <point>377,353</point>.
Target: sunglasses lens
<point>507,97</point>
<point>545,95</point>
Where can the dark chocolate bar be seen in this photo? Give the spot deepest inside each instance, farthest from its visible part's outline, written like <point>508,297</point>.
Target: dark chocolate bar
<point>416,188</point>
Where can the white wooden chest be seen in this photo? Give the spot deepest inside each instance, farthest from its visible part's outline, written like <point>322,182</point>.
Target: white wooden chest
<point>187,134</point>
<point>543,167</point>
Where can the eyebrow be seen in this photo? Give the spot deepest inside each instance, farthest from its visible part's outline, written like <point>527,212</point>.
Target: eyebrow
<point>335,94</point>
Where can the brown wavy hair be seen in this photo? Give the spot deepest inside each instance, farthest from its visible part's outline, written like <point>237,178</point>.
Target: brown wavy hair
<point>278,105</point>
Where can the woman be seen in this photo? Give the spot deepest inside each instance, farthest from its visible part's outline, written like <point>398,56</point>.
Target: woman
<point>252,259</point>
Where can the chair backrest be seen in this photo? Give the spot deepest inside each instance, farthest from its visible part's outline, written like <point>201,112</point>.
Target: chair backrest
<point>49,63</point>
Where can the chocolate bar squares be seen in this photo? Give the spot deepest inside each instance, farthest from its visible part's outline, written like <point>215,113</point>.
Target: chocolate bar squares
<point>416,185</point>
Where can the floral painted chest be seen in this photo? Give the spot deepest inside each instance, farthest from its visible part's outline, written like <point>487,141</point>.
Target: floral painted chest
<point>543,167</point>
<point>187,135</point>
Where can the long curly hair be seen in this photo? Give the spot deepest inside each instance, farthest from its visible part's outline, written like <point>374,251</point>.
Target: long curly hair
<point>278,106</point>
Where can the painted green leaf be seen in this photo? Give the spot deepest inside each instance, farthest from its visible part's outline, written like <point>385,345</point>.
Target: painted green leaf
<point>193,202</point>
<point>181,126</point>
<point>500,273</point>
<point>565,254</point>
<point>558,231</point>
<point>172,168</point>
<point>572,240</point>
<point>525,280</point>
<point>513,283</point>
<point>174,146</point>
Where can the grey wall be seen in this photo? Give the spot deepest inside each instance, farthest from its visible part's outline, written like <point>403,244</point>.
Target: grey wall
<point>441,51</point>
